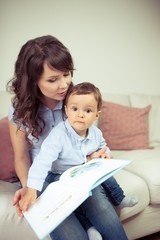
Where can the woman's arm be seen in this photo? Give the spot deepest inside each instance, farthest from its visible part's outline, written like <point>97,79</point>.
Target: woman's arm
<point>22,161</point>
<point>21,153</point>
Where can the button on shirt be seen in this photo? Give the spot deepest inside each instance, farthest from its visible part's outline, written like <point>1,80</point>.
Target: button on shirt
<point>61,150</point>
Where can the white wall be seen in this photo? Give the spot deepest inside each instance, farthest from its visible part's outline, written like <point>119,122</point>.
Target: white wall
<point>114,43</point>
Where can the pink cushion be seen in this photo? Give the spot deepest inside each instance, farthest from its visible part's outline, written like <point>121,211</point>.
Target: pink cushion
<point>124,128</point>
<point>7,171</point>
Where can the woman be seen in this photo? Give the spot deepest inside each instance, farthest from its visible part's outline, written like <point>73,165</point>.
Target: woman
<point>43,74</point>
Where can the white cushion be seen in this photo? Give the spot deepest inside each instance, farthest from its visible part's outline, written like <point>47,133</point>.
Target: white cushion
<point>11,225</point>
<point>145,164</point>
<point>132,185</point>
<point>117,98</point>
<point>140,100</point>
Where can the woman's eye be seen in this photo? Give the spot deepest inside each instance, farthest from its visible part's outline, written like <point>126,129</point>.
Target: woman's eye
<point>52,80</point>
<point>66,74</point>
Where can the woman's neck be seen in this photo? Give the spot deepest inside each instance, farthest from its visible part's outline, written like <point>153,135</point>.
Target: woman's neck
<point>50,103</point>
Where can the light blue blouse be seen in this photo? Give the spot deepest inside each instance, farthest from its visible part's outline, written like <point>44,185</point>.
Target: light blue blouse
<point>51,119</point>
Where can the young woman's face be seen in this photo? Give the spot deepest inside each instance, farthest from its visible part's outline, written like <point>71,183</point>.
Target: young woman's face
<point>81,111</point>
<point>54,85</point>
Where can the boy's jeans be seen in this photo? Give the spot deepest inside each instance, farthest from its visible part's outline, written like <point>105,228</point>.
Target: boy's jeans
<point>98,210</point>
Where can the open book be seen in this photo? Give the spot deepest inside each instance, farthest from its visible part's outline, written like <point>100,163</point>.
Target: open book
<point>61,198</point>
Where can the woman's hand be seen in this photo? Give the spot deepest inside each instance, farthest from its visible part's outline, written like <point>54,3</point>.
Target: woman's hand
<point>17,197</point>
<point>28,198</point>
<point>23,198</point>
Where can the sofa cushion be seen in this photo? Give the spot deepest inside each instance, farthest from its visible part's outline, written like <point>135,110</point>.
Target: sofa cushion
<point>135,186</point>
<point>7,171</point>
<point>12,226</point>
<point>145,164</point>
<point>124,128</point>
<point>142,100</point>
<point>122,99</point>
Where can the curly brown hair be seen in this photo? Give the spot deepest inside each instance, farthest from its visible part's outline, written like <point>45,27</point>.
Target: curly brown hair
<point>28,69</point>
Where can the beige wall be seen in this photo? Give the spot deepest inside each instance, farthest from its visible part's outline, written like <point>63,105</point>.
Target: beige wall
<point>114,43</point>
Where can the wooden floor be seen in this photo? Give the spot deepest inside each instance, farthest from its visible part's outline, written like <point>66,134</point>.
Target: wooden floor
<point>155,236</point>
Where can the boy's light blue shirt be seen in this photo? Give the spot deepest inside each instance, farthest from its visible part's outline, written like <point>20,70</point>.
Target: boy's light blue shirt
<point>61,150</point>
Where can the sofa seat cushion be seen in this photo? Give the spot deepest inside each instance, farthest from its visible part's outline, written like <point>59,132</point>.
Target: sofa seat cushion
<point>132,185</point>
<point>8,187</point>
<point>145,164</point>
<point>12,226</point>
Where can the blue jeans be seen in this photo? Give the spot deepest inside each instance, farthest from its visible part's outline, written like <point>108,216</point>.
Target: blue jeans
<point>100,213</point>
<point>113,190</point>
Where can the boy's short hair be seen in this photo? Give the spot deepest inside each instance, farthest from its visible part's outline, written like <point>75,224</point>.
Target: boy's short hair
<point>83,89</point>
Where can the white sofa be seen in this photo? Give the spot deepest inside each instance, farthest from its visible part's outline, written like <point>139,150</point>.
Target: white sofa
<point>141,177</point>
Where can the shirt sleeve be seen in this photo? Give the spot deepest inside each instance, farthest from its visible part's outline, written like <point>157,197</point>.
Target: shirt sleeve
<point>103,142</point>
<point>42,163</point>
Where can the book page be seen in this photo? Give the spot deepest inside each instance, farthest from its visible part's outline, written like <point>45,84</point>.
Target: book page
<point>93,173</point>
<point>53,206</point>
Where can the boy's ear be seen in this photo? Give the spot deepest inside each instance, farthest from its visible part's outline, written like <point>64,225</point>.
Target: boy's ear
<point>98,114</point>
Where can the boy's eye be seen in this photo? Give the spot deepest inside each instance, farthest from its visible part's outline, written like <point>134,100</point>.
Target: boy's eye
<point>88,110</point>
<point>74,109</point>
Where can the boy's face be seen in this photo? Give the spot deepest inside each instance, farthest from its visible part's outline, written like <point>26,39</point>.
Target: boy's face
<point>81,111</point>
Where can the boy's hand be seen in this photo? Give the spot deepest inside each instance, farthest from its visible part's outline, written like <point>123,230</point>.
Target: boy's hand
<point>99,154</point>
<point>107,156</point>
<point>28,198</point>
